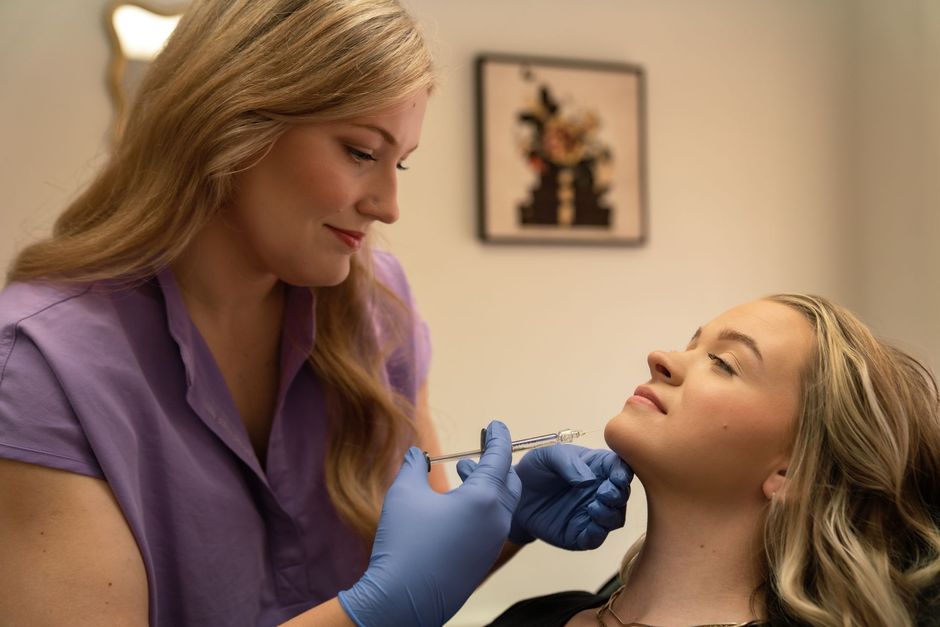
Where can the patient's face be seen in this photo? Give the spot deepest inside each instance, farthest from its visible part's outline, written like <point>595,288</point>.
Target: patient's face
<point>718,418</point>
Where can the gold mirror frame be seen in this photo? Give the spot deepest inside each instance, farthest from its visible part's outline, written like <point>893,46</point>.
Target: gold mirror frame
<point>124,72</point>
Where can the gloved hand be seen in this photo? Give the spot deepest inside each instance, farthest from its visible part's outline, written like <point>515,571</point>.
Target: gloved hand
<point>572,496</point>
<point>432,550</point>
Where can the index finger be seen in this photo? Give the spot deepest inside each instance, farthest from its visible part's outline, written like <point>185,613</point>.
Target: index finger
<point>611,466</point>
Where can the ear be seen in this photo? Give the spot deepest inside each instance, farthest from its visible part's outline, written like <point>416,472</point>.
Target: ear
<point>775,483</point>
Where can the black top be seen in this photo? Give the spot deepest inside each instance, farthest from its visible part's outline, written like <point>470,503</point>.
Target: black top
<point>554,610</point>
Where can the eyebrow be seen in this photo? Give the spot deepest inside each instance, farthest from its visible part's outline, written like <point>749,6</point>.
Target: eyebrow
<point>734,336</point>
<point>388,137</point>
<point>381,131</point>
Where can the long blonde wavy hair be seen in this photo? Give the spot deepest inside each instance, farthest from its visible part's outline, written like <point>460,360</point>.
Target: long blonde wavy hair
<point>855,542</point>
<point>233,77</point>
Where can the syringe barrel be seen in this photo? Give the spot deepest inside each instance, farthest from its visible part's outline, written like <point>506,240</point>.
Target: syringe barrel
<point>524,444</point>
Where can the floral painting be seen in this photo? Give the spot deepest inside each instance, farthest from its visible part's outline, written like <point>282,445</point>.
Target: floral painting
<point>560,151</point>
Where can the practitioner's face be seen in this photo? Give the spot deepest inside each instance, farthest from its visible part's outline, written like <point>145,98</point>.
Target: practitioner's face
<point>302,211</point>
<point>717,419</point>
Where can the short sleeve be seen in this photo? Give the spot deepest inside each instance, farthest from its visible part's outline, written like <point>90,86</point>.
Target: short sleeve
<point>422,347</point>
<point>418,350</point>
<point>37,423</point>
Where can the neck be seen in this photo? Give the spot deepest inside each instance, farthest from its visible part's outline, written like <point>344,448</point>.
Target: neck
<point>699,564</point>
<point>219,283</point>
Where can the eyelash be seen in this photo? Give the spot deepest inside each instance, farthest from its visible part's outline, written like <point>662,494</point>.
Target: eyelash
<point>359,156</point>
<point>721,363</point>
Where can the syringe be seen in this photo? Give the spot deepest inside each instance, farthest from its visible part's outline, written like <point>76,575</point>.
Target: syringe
<point>563,436</point>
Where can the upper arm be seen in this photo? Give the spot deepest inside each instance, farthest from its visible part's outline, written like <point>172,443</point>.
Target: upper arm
<point>67,552</point>
<point>427,439</point>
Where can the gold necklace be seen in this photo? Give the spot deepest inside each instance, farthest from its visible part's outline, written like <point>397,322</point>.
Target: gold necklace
<point>609,608</point>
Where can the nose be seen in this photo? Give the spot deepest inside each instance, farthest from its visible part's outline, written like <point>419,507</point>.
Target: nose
<point>381,199</point>
<point>665,367</point>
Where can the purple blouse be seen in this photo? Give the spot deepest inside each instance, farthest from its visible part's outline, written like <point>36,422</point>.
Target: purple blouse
<point>119,384</point>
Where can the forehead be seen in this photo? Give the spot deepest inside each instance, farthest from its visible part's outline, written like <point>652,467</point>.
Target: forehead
<point>784,336</point>
<point>409,111</point>
<point>399,124</point>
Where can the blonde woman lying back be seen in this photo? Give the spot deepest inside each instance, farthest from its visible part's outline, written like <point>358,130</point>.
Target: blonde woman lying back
<point>791,462</point>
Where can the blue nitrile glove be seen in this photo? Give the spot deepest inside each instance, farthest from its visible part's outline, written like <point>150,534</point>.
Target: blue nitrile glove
<point>432,550</point>
<point>572,496</point>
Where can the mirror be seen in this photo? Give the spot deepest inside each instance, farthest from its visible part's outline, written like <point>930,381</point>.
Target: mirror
<point>138,31</point>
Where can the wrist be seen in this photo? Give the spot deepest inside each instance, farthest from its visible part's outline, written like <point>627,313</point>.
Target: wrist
<point>346,604</point>
<point>383,598</point>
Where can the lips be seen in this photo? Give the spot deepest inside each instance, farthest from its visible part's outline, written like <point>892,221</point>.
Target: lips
<point>646,393</point>
<point>353,239</point>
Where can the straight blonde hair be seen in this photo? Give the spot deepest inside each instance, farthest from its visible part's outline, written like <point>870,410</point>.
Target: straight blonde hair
<point>232,78</point>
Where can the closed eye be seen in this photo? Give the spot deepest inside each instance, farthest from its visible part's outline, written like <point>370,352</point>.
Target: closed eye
<point>721,363</point>
<point>359,155</point>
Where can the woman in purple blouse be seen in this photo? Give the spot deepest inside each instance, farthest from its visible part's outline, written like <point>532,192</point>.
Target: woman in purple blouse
<point>208,382</point>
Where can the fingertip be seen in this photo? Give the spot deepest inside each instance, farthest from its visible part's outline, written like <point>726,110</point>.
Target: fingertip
<point>496,429</point>
<point>605,517</point>
<point>414,468</point>
<point>621,474</point>
<point>465,468</point>
<point>498,439</point>
<point>609,494</point>
<point>413,455</point>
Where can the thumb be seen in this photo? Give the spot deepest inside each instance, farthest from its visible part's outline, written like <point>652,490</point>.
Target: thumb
<point>414,470</point>
<point>565,461</point>
<point>497,455</point>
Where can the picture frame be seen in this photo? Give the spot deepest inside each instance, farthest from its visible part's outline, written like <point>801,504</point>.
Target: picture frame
<point>561,151</point>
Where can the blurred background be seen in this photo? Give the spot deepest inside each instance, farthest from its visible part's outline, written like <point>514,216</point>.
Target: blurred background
<point>791,146</point>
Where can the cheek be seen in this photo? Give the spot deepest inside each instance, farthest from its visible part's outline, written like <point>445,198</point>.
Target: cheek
<point>305,181</point>
<point>323,190</point>
<point>756,427</point>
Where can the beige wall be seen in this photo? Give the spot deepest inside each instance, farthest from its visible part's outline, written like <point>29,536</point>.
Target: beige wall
<point>775,163</point>
<point>54,109</point>
<point>896,184</point>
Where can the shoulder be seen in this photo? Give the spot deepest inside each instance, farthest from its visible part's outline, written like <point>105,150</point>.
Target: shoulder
<point>33,307</point>
<point>389,271</point>
<point>23,301</point>
<point>37,335</point>
<point>62,321</point>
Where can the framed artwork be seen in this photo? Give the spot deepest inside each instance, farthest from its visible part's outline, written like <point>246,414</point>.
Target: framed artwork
<point>561,151</point>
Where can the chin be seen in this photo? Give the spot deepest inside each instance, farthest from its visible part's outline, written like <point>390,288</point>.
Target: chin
<point>623,438</point>
<point>615,434</point>
<point>329,276</point>
<point>333,280</point>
